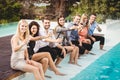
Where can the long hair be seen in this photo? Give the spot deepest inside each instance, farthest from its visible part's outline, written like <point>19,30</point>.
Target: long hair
<point>61,16</point>
<point>83,17</point>
<point>36,24</point>
<point>18,33</point>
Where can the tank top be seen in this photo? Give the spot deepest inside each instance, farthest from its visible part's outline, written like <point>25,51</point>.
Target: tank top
<point>20,53</point>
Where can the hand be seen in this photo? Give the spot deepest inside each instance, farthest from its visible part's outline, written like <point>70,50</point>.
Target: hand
<point>80,44</point>
<point>28,61</point>
<point>49,34</point>
<point>73,45</point>
<point>99,29</point>
<point>93,39</point>
<point>72,28</point>
<point>24,42</point>
<point>58,40</point>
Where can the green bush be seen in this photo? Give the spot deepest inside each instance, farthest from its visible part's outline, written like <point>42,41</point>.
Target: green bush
<point>3,21</point>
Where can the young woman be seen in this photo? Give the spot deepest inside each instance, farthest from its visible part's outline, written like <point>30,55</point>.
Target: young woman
<point>42,57</point>
<point>61,32</point>
<point>19,58</point>
<point>83,34</point>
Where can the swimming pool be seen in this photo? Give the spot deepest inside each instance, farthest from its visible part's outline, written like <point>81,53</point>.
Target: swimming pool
<point>107,67</point>
<point>7,29</point>
<point>10,28</point>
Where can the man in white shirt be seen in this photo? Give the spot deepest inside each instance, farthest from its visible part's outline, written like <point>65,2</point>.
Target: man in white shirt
<point>52,45</point>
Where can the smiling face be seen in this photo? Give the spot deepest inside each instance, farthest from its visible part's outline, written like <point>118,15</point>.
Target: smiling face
<point>92,18</point>
<point>23,27</point>
<point>85,19</point>
<point>34,29</point>
<point>46,23</point>
<point>61,21</point>
<point>76,19</point>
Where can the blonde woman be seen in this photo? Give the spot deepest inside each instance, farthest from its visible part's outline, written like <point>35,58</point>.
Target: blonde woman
<point>19,57</point>
<point>84,32</point>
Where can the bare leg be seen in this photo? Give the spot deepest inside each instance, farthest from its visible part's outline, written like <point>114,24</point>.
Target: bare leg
<point>41,57</point>
<point>58,61</point>
<point>44,63</point>
<point>72,54</point>
<point>34,70</point>
<point>39,66</point>
<point>77,53</point>
<point>101,47</point>
<point>51,63</point>
<point>86,52</point>
<point>76,56</point>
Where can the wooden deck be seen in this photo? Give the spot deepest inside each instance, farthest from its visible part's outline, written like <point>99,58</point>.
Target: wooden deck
<point>6,73</point>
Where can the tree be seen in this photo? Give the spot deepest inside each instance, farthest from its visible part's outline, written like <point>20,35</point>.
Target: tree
<point>9,10</point>
<point>103,8</point>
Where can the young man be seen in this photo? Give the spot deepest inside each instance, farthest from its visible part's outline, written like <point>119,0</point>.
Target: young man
<point>92,25</point>
<point>60,51</point>
<point>74,37</point>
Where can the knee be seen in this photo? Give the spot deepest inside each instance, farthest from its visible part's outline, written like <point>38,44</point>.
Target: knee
<point>35,69</point>
<point>48,54</point>
<point>76,48</point>
<point>44,61</point>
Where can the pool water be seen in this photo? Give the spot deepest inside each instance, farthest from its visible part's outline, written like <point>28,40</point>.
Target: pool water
<point>8,29</point>
<point>107,67</point>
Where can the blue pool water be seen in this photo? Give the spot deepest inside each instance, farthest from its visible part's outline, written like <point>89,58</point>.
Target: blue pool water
<point>107,67</point>
<point>7,29</point>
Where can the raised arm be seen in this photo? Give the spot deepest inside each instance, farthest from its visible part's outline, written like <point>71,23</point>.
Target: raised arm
<point>38,37</point>
<point>98,28</point>
<point>14,44</point>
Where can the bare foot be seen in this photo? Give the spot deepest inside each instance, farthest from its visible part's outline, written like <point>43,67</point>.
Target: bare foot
<point>71,62</point>
<point>74,64</point>
<point>103,49</point>
<point>61,74</point>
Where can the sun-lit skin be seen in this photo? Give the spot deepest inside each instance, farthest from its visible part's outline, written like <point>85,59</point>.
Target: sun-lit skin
<point>76,19</point>
<point>46,24</point>
<point>23,27</point>
<point>62,21</point>
<point>34,29</point>
<point>92,18</point>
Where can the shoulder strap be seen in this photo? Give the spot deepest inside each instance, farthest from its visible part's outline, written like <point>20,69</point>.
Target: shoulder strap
<point>58,35</point>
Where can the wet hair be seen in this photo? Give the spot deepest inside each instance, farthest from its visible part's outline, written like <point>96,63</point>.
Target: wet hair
<point>36,24</point>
